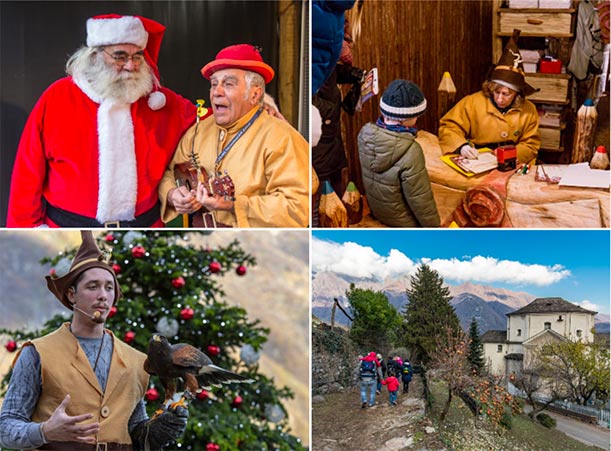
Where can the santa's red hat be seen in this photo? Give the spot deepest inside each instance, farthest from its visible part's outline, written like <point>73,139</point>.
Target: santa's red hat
<point>239,56</point>
<point>113,29</point>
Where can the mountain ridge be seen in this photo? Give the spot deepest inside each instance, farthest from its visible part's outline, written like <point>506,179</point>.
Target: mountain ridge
<point>487,303</point>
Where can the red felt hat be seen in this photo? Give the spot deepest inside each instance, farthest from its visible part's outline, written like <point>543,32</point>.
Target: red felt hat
<point>239,56</point>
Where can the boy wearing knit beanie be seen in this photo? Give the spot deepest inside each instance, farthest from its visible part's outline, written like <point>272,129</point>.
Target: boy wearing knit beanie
<point>396,181</point>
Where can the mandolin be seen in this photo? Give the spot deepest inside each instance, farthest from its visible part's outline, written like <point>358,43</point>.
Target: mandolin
<point>189,174</point>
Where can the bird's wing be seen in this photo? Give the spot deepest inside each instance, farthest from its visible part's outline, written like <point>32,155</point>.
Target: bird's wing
<point>215,375</point>
<point>148,368</point>
<point>186,355</point>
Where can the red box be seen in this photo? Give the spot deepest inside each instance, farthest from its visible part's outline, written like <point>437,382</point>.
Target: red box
<point>506,157</point>
<point>550,67</point>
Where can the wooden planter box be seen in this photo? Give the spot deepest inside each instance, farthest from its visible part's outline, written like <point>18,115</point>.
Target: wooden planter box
<point>554,88</point>
<point>550,138</point>
<point>535,23</point>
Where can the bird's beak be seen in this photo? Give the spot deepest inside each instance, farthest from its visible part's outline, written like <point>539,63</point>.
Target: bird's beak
<point>156,337</point>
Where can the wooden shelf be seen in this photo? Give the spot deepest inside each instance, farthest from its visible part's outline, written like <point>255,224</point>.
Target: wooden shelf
<point>543,75</point>
<point>561,127</point>
<point>558,150</point>
<point>535,10</point>
<point>539,35</point>
<point>551,102</point>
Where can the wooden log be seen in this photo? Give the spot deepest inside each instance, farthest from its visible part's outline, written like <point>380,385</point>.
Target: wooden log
<point>578,213</point>
<point>587,117</point>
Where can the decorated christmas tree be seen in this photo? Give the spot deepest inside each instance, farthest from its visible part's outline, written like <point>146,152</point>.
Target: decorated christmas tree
<point>172,287</point>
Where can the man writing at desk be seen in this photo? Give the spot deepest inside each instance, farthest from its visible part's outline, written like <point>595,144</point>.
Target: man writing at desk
<point>266,158</point>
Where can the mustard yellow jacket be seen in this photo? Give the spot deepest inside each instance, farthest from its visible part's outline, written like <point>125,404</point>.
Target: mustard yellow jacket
<point>269,166</point>
<point>474,118</point>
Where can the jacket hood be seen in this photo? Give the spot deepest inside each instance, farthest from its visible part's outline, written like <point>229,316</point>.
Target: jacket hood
<point>384,147</point>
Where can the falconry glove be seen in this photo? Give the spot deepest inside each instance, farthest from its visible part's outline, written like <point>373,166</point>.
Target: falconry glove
<point>161,431</point>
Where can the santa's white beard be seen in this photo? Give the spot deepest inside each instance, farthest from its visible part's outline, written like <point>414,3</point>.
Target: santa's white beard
<point>108,84</point>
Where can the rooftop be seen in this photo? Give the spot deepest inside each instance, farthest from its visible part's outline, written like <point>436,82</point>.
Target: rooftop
<point>550,305</point>
<point>494,336</point>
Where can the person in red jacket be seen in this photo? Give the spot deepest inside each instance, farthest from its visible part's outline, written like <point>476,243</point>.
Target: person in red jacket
<point>392,383</point>
<point>98,141</point>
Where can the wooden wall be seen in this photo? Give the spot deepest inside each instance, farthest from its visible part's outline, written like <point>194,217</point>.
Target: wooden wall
<point>419,41</point>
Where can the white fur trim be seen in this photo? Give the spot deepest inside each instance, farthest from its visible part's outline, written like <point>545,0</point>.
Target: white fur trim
<point>124,30</point>
<point>85,86</point>
<point>156,100</point>
<point>118,184</point>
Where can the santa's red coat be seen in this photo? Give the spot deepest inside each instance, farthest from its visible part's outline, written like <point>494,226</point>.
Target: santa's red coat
<point>58,155</point>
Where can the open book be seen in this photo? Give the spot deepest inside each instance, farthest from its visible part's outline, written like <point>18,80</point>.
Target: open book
<point>485,162</point>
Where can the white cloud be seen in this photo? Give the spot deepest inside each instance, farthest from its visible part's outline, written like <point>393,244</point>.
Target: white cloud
<point>355,260</point>
<point>589,305</point>
<point>490,269</point>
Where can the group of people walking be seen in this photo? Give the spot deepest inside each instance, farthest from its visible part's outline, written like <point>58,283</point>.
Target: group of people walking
<point>374,371</point>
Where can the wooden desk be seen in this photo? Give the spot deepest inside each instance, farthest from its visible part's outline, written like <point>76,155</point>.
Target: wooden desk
<point>529,204</point>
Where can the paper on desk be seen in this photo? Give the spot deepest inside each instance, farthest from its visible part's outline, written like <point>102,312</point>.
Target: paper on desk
<point>581,175</point>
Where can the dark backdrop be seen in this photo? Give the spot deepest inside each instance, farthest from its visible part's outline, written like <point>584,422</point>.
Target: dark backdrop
<point>37,38</point>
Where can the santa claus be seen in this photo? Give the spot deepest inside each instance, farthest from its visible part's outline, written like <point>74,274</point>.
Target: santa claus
<point>98,141</point>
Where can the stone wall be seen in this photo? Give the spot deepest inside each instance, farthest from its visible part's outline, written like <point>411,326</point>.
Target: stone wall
<point>334,359</point>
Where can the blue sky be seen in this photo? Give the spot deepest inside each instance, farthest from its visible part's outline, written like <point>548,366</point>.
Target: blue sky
<point>572,264</point>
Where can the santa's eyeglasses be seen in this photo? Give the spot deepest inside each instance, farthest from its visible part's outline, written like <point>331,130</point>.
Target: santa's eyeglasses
<point>121,58</point>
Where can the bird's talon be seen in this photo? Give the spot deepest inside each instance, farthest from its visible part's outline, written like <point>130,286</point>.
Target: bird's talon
<point>157,413</point>
<point>180,403</point>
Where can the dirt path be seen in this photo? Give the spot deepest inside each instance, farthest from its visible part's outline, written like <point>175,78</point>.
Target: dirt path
<point>339,423</point>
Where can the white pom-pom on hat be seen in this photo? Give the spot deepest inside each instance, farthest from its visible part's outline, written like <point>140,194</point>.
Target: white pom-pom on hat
<point>156,100</point>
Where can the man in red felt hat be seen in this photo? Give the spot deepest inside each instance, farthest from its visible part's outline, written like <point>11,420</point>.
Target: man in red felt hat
<point>97,142</point>
<point>80,387</point>
<point>267,159</point>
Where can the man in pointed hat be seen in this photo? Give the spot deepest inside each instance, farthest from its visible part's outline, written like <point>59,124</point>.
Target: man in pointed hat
<point>497,115</point>
<point>97,142</point>
<point>267,159</point>
<point>81,387</point>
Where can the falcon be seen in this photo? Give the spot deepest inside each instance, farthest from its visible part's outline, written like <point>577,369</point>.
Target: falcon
<point>184,361</point>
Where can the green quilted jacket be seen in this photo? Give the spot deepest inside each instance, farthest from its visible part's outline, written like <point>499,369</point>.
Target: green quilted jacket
<point>396,181</point>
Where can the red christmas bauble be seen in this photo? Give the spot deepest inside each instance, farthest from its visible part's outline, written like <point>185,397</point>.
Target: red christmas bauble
<point>214,350</point>
<point>11,346</point>
<point>178,282</point>
<point>214,267</point>
<point>116,268</point>
<point>187,313</point>
<point>240,270</point>
<point>237,401</point>
<point>211,446</point>
<point>138,251</point>
<point>129,336</point>
<point>151,394</point>
<point>112,312</point>
<point>109,237</point>
<point>202,395</point>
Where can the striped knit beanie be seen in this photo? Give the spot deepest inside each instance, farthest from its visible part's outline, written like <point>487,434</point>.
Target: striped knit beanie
<point>402,99</point>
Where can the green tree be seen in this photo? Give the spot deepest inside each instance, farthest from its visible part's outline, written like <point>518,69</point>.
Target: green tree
<point>580,369</point>
<point>476,349</point>
<point>427,313</point>
<point>375,320</point>
<point>171,286</point>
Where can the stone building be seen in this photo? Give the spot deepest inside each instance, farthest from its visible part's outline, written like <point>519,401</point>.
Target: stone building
<point>544,320</point>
